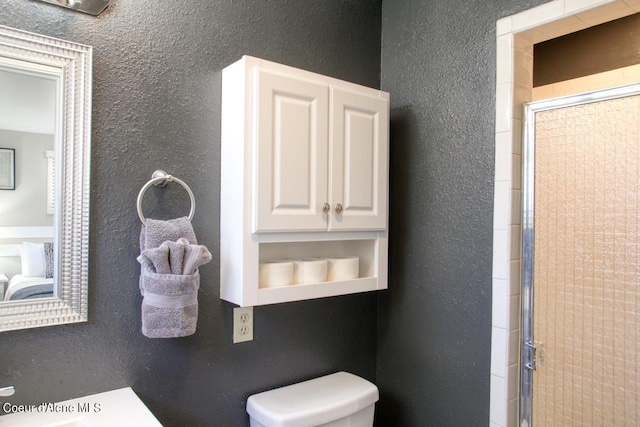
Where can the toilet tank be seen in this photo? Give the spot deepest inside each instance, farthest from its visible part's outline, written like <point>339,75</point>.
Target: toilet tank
<point>336,400</point>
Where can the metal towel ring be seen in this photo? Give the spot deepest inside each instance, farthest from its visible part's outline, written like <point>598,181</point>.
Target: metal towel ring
<point>160,179</point>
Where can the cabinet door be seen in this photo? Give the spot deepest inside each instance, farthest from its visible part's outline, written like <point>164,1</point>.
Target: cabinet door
<point>359,161</point>
<point>290,165</point>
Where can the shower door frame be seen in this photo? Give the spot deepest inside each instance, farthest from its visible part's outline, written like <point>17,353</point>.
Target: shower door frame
<point>527,351</point>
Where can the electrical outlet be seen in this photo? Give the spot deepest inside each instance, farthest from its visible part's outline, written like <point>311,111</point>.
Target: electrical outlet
<point>242,324</point>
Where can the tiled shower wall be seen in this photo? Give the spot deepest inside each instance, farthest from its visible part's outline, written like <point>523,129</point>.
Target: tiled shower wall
<point>516,35</point>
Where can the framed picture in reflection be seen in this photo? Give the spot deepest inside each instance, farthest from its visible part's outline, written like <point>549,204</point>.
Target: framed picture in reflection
<point>7,169</point>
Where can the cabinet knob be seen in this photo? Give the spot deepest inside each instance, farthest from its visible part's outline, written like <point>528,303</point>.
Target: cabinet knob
<point>338,208</point>
<point>326,207</point>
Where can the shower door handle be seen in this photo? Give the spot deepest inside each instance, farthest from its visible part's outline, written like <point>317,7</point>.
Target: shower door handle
<point>531,364</point>
<point>536,359</point>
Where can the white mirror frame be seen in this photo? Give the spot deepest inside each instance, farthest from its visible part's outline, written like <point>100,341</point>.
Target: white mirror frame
<point>92,7</point>
<point>71,219</point>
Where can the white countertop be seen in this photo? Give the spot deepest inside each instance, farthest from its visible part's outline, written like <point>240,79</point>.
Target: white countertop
<point>120,407</point>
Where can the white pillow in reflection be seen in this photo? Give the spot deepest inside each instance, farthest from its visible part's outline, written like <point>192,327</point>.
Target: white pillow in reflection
<point>32,259</point>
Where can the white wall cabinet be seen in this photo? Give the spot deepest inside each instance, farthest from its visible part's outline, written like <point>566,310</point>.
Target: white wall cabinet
<point>304,173</point>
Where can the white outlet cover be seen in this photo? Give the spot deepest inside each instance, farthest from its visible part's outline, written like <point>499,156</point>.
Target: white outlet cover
<point>242,324</point>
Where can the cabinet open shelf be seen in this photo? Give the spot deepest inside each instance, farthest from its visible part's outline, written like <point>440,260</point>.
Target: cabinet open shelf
<point>316,290</point>
<point>240,280</point>
<point>364,249</point>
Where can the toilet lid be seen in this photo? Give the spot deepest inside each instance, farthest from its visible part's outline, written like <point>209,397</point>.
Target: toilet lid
<point>314,402</point>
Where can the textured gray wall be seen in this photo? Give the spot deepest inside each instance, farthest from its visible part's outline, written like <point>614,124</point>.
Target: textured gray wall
<point>434,324</point>
<point>156,104</point>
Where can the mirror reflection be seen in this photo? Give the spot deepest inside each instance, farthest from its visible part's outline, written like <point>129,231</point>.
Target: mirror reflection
<point>29,140</point>
<point>45,151</point>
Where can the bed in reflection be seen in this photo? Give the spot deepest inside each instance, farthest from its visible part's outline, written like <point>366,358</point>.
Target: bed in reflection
<point>34,277</point>
<point>21,288</point>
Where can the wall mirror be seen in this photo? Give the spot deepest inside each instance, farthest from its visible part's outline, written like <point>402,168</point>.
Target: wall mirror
<point>45,114</point>
<point>92,7</point>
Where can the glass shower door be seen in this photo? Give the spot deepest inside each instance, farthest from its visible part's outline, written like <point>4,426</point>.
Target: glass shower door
<point>581,261</point>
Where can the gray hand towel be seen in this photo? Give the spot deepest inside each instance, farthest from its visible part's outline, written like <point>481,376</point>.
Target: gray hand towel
<point>155,232</point>
<point>156,260</point>
<point>176,255</point>
<point>169,279</point>
<point>194,257</point>
<point>169,305</point>
<point>175,258</point>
